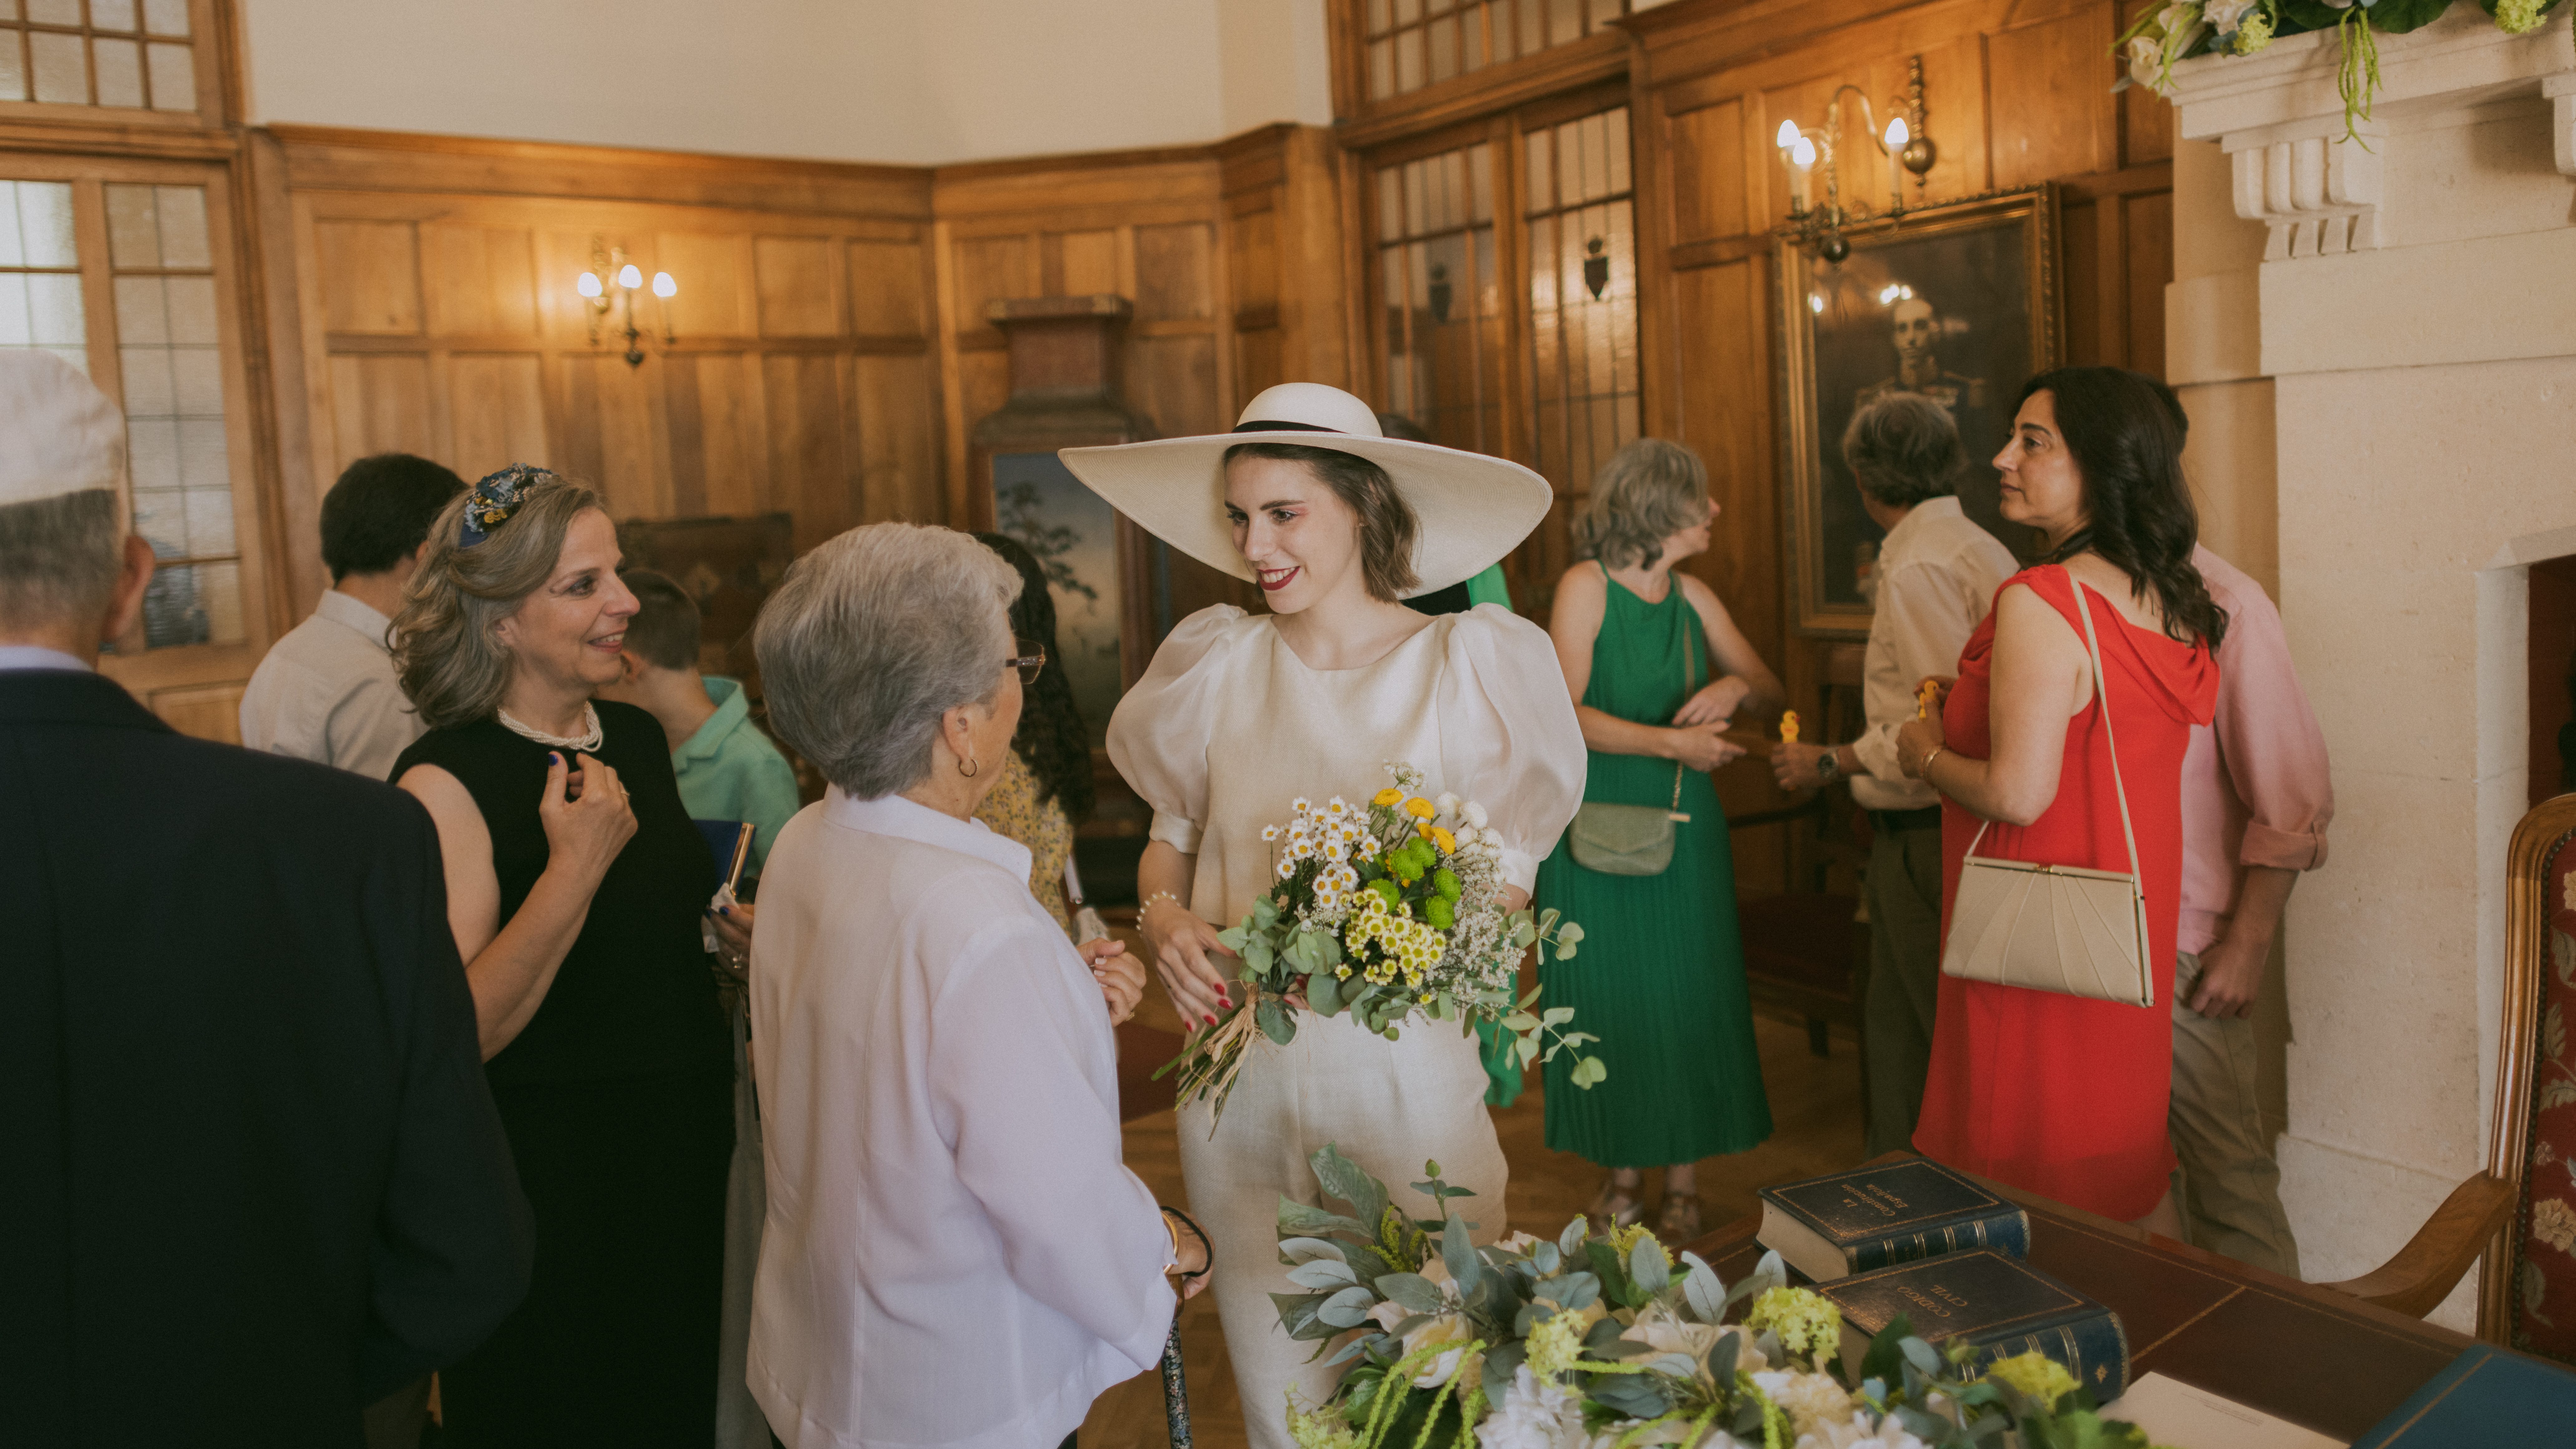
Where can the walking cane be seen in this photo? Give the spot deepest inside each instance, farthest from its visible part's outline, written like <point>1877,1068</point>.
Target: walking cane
<point>1176,1387</point>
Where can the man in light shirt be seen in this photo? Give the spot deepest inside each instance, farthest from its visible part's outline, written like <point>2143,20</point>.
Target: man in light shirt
<point>327,691</point>
<point>1937,576</point>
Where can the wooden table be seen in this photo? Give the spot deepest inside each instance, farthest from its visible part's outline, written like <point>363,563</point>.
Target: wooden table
<point>2310,1355</point>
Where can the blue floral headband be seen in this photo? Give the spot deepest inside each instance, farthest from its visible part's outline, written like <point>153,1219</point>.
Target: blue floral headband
<point>496,498</point>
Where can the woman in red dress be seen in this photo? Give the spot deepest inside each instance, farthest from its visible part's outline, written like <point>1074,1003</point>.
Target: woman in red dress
<point>2057,1094</point>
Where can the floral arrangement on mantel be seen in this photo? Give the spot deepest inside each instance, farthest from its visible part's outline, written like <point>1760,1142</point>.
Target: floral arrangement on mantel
<point>2167,32</point>
<point>1609,1341</point>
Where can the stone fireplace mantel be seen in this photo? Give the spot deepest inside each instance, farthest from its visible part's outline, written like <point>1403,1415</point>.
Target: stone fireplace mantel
<point>2376,340</point>
<point>2279,118</point>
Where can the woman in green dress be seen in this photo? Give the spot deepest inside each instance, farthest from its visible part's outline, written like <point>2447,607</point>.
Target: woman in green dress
<point>1658,672</point>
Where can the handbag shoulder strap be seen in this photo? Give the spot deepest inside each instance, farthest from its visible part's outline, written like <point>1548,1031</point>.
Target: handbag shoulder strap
<point>2102,692</point>
<point>1689,677</point>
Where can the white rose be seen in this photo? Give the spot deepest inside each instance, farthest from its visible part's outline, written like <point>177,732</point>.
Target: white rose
<point>1450,1328</point>
<point>2146,61</point>
<point>1812,1401</point>
<point>1853,1435</point>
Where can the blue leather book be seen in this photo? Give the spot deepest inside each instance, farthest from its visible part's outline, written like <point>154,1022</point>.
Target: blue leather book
<point>2487,1398</point>
<point>1877,1217</point>
<point>2001,1305</point>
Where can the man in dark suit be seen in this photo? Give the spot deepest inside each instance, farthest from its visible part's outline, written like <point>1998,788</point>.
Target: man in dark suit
<point>250,1175</point>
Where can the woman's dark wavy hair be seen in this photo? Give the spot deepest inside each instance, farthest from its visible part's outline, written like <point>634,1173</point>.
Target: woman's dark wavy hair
<point>2125,434</point>
<point>1052,737</point>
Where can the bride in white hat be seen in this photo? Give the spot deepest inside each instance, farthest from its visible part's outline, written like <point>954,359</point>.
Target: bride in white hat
<point>1241,713</point>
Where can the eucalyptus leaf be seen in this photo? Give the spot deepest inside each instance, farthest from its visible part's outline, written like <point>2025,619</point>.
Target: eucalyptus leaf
<point>1324,993</point>
<point>1502,1363</point>
<point>1323,1275</point>
<point>1413,1291</point>
<point>1920,1354</point>
<point>1570,1241</point>
<point>1293,1251</point>
<point>1460,1255</point>
<point>1721,1357</point>
<point>1348,1308</point>
<point>1768,1345</point>
<point>1634,1395</point>
<point>1556,1016</point>
<point>1703,1290</point>
<point>1603,1341</point>
<point>1342,1178</point>
<point>1305,1219</point>
<point>1646,1267</point>
<point>1273,1019</point>
<point>1577,1291</point>
<point>1234,939</point>
<point>1259,956</point>
<point>1544,1257</point>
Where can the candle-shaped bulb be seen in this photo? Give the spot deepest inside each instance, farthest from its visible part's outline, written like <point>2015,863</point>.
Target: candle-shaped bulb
<point>1897,134</point>
<point>1788,726</point>
<point>588,286</point>
<point>663,286</point>
<point>1803,155</point>
<point>630,276</point>
<point>1788,135</point>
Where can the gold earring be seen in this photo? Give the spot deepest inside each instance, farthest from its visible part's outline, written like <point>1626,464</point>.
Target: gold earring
<point>967,768</point>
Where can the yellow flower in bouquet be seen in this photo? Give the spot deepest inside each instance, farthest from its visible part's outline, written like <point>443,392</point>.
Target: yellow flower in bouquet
<point>2039,1378</point>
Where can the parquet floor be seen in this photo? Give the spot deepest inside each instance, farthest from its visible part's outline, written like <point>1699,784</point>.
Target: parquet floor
<point>1816,1117</point>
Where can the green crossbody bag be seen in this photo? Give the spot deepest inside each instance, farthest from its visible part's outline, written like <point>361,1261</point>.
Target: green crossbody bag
<point>1632,839</point>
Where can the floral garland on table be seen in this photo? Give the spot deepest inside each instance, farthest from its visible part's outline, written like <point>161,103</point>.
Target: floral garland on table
<point>1383,910</point>
<point>2166,32</point>
<point>1609,1342</point>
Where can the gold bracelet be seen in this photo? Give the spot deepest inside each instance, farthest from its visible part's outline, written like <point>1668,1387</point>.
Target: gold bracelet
<point>1923,771</point>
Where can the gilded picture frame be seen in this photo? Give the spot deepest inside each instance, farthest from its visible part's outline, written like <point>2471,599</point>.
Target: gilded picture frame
<point>1959,301</point>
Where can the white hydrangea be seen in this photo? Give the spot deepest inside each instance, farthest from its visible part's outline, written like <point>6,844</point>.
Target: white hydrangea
<point>1855,1435</point>
<point>1533,1415</point>
<point>1811,1400</point>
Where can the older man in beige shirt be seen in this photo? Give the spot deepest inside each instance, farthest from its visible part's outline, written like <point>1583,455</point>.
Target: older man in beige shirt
<point>1937,576</point>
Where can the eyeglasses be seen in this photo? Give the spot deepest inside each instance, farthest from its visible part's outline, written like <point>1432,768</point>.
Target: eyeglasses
<point>1032,658</point>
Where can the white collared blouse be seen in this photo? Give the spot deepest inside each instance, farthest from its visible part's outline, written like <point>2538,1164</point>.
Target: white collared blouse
<point>954,1252</point>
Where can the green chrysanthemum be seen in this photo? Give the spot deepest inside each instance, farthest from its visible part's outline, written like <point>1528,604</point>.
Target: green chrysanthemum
<point>2517,17</point>
<point>1807,1322</point>
<point>1555,1342</point>
<point>2039,1378</point>
<point>2254,33</point>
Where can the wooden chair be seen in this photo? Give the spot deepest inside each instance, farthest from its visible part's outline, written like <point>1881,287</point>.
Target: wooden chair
<point>1803,949</point>
<point>2526,1300</point>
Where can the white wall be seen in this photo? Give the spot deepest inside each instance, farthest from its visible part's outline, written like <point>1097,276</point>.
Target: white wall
<point>916,82</point>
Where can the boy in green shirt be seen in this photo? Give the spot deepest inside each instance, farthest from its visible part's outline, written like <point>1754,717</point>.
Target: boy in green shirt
<point>728,769</point>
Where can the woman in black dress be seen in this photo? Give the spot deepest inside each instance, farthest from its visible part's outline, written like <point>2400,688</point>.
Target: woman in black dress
<point>575,881</point>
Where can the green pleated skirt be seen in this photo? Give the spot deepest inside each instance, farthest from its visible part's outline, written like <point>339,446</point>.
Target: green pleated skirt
<point>1659,976</point>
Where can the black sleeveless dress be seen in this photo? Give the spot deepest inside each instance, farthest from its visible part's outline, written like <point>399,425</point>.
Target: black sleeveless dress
<point>618,1098</point>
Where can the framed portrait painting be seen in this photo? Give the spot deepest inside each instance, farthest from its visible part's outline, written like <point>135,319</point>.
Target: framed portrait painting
<point>1958,303</point>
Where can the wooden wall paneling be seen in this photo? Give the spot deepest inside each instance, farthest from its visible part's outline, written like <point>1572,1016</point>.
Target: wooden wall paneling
<point>496,412</point>
<point>478,280</point>
<point>1706,163</point>
<point>207,712</point>
<point>797,283</point>
<point>898,438</point>
<point>371,276</point>
<point>889,289</point>
<point>2051,102</point>
<point>2147,223</point>
<point>1287,294</point>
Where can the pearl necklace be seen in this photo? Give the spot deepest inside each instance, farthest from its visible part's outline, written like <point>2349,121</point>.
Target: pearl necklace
<point>591,737</point>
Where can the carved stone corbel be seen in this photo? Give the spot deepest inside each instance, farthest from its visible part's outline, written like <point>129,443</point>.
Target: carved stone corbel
<point>2319,195</point>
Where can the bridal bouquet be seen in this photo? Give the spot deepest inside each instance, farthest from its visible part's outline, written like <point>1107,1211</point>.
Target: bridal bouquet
<point>1383,910</point>
<point>1609,1342</point>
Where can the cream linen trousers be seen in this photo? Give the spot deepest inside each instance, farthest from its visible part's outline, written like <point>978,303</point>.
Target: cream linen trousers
<point>1389,1106</point>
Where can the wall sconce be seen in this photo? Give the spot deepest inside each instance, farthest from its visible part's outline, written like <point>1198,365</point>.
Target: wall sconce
<point>1907,145</point>
<point>611,273</point>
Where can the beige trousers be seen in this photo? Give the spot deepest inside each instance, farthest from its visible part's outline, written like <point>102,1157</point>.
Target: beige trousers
<point>1389,1106</point>
<point>2230,1186</point>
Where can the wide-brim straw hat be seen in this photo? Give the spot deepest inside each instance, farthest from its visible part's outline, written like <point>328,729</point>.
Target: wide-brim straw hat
<point>1470,509</point>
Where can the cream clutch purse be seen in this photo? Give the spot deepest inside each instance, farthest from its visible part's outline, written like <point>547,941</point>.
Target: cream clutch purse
<point>2061,928</point>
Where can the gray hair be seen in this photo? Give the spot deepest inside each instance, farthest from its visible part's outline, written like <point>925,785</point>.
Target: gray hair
<point>1647,492</point>
<point>872,637</point>
<point>59,557</point>
<point>453,668</point>
<point>1903,448</point>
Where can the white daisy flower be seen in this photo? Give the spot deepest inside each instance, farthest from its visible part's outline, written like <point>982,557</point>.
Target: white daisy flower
<point>1302,805</point>
<point>1270,832</point>
<point>1475,814</point>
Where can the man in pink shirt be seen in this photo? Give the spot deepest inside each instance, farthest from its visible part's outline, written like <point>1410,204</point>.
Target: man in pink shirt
<point>2255,801</point>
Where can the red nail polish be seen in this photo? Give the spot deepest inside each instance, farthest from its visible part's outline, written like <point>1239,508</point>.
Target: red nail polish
<point>1211,1021</point>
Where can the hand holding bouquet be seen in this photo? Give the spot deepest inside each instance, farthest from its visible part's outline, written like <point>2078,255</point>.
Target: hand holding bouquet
<point>1383,910</point>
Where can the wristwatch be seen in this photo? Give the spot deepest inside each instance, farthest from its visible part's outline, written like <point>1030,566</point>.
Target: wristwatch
<point>1829,765</point>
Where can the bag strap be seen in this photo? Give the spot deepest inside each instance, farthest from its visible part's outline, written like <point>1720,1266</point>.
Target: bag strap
<point>1689,677</point>
<point>2102,692</point>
